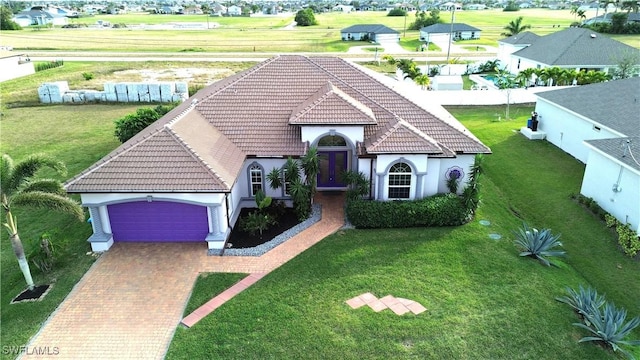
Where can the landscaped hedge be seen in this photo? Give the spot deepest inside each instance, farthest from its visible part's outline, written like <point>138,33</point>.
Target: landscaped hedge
<point>438,210</point>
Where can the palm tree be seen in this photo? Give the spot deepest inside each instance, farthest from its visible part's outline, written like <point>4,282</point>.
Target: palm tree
<point>524,77</point>
<point>515,27</point>
<point>310,166</point>
<point>422,80</point>
<point>18,188</point>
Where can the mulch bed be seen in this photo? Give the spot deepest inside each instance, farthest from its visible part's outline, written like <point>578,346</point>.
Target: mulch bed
<point>36,294</point>
<point>240,239</point>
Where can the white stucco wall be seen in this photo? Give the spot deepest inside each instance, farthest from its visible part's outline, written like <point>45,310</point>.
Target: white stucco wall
<point>314,133</point>
<point>567,129</point>
<point>418,165</point>
<point>600,176</point>
<point>462,162</point>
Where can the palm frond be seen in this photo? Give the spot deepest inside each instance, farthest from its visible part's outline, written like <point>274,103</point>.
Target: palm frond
<point>51,186</point>
<point>45,200</point>
<point>6,173</point>
<point>27,168</point>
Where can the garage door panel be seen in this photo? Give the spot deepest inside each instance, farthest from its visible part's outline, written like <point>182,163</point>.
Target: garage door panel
<point>158,221</point>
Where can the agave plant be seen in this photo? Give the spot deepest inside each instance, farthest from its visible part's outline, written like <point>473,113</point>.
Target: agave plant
<point>538,244</point>
<point>608,327</point>
<point>583,301</point>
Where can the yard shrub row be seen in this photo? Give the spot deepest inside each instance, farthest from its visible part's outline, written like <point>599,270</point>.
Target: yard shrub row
<point>41,66</point>
<point>438,210</point>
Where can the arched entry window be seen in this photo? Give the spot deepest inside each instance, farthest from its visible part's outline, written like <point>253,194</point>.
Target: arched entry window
<point>399,181</point>
<point>332,140</point>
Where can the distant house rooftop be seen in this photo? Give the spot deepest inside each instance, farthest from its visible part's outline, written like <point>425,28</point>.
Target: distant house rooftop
<point>369,28</point>
<point>447,28</point>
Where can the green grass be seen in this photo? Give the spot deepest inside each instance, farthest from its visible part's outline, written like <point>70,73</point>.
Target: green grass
<point>483,300</point>
<point>266,34</point>
<point>207,286</point>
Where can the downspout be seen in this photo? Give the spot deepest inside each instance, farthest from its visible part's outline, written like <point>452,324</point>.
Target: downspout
<point>371,179</point>
<point>226,203</point>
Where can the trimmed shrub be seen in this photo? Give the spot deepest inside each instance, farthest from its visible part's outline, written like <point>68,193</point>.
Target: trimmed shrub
<point>438,210</point>
<point>41,66</point>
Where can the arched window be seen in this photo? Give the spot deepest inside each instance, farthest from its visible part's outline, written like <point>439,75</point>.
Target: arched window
<point>256,179</point>
<point>399,181</point>
<point>332,140</point>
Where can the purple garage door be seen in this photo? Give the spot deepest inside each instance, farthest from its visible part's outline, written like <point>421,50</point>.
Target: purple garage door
<point>158,221</point>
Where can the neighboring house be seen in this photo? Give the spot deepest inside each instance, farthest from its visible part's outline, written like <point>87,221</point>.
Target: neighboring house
<point>187,176</point>
<point>370,32</point>
<point>512,44</point>
<point>572,48</point>
<point>632,17</point>
<point>40,16</point>
<point>599,124</point>
<point>234,10</point>
<point>192,10</point>
<point>476,7</point>
<point>217,10</point>
<point>343,8</point>
<point>14,65</point>
<point>443,32</point>
<point>448,6</point>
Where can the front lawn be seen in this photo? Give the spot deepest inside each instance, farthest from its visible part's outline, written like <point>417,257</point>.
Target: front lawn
<point>483,301</point>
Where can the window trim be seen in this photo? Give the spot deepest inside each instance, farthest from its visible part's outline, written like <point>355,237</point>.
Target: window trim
<point>408,186</point>
<point>254,166</point>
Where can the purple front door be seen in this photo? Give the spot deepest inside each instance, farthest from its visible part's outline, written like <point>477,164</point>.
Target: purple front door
<point>331,165</point>
<point>158,221</point>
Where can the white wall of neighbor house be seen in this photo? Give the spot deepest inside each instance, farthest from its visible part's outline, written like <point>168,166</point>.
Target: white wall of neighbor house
<point>567,130</point>
<point>614,186</point>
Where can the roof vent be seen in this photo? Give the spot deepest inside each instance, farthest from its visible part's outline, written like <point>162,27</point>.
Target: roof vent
<point>593,36</point>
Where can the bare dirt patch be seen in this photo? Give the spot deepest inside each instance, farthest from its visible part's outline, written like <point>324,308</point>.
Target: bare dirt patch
<point>204,76</point>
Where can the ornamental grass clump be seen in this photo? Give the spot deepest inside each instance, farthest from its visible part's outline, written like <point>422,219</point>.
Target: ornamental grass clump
<point>538,244</point>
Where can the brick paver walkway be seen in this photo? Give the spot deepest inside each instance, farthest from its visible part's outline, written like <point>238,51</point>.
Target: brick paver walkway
<point>128,305</point>
<point>399,306</point>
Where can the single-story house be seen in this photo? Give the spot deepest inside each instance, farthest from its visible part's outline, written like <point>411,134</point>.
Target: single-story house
<point>572,48</point>
<point>187,176</point>
<point>343,8</point>
<point>370,32</point>
<point>512,44</point>
<point>476,7</point>
<point>599,125</point>
<point>632,17</point>
<point>234,10</point>
<point>39,17</point>
<point>444,32</point>
<point>14,65</point>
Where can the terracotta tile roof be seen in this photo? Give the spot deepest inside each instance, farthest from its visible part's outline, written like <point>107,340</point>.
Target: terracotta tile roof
<point>201,145</point>
<point>402,137</point>
<point>330,105</point>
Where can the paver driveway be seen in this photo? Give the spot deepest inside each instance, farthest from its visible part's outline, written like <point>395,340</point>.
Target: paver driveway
<point>128,305</point>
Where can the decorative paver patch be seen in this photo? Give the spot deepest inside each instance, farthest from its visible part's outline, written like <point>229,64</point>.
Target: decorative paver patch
<point>400,306</point>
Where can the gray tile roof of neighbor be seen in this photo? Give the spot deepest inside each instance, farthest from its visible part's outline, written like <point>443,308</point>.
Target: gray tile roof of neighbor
<point>576,47</point>
<point>200,146</point>
<point>614,104</point>
<point>446,28</point>
<point>626,150</point>
<point>369,28</point>
<point>523,38</point>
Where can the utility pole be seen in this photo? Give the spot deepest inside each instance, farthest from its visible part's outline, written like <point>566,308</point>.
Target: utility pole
<point>453,13</point>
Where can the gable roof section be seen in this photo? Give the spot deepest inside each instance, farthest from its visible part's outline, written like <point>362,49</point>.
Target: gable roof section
<point>330,105</point>
<point>523,38</point>
<point>369,28</point>
<point>446,28</point>
<point>200,146</point>
<point>402,137</point>
<point>575,47</point>
<point>623,150</point>
<point>614,104</point>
